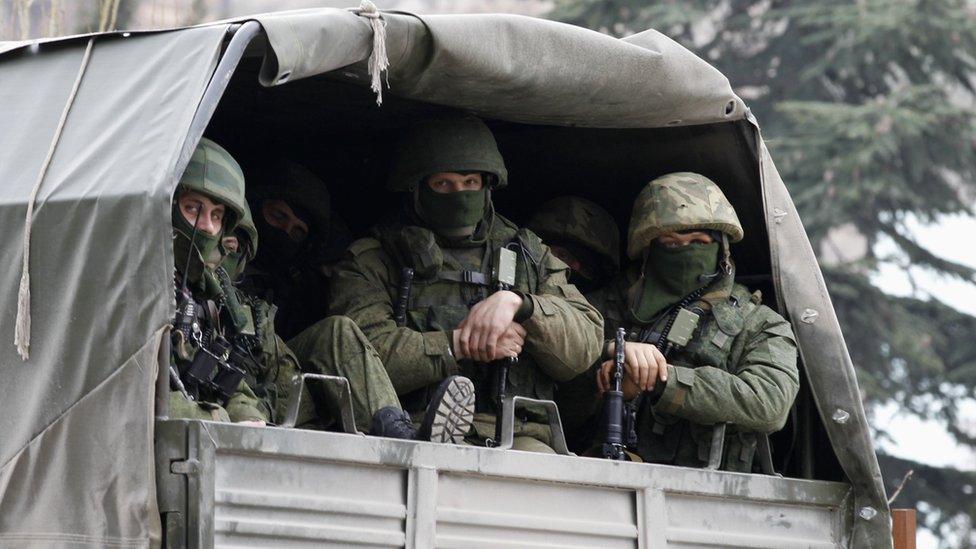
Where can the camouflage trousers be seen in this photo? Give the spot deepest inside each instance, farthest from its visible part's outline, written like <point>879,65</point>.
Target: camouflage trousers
<point>529,436</point>
<point>336,346</point>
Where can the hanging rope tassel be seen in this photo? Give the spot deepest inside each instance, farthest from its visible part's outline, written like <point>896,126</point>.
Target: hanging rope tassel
<point>378,60</point>
<point>22,329</point>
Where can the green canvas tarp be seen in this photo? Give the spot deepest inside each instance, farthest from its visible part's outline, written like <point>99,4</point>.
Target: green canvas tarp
<point>76,418</point>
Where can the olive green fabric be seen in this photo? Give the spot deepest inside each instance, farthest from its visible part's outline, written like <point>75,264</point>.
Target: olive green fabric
<point>670,274</point>
<point>274,365</point>
<point>739,368</point>
<point>679,202</point>
<point>193,249</point>
<point>578,220</point>
<point>243,405</point>
<point>446,145</point>
<point>451,210</point>
<point>336,346</point>
<point>528,436</point>
<point>563,332</point>
<point>181,407</point>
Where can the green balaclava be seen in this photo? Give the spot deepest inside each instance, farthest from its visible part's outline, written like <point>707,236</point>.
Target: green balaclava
<point>192,250</point>
<point>670,274</point>
<point>451,211</point>
<point>214,173</point>
<point>235,262</point>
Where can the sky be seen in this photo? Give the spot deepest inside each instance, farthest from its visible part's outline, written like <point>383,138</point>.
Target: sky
<point>952,237</point>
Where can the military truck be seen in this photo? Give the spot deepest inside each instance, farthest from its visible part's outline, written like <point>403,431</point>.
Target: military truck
<point>96,130</point>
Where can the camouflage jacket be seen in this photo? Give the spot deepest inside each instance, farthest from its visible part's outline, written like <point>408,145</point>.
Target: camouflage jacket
<point>739,368</point>
<point>563,332</point>
<point>243,404</point>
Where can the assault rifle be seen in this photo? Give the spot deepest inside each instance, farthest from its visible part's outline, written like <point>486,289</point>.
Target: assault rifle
<point>613,406</point>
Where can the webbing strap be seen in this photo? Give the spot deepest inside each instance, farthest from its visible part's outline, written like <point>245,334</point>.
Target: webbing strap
<point>22,329</point>
<point>465,277</point>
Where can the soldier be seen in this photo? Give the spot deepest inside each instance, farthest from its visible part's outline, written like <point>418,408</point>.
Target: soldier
<point>583,235</point>
<point>332,346</point>
<point>460,316</point>
<point>294,221</point>
<point>206,385</point>
<point>727,359</point>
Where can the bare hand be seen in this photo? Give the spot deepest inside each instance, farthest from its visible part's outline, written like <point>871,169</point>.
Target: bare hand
<point>644,364</point>
<point>604,382</point>
<point>252,423</point>
<point>509,344</point>
<point>478,335</point>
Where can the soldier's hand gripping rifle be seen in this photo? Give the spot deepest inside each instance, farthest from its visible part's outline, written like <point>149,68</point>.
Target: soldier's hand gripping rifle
<point>613,406</point>
<point>506,280</point>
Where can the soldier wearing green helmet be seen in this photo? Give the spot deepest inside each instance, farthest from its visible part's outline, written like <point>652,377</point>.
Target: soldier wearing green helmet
<point>703,353</point>
<point>205,382</point>
<point>293,217</point>
<point>450,287</point>
<point>333,346</point>
<point>583,235</point>
<point>241,247</point>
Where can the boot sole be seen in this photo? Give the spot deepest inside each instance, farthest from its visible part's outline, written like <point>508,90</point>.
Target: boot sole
<point>454,412</point>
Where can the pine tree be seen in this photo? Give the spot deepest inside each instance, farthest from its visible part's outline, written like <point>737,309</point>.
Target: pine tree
<point>867,107</point>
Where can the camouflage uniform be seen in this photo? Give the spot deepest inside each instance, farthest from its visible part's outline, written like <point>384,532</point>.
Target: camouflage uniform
<point>587,230</point>
<point>451,275</point>
<point>294,281</point>
<point>739,367</point>
<point>214,173</point>
<point>333,346</point>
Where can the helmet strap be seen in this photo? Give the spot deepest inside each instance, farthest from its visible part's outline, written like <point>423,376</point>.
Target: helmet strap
<point>189,253</point>
<point>725,263</point>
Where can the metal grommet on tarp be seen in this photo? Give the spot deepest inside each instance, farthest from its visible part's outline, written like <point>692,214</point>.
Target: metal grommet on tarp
<point>22,328</point>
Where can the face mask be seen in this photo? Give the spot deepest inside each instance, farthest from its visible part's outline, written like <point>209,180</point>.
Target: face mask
<point>278,250</point>
<point>234,263</point>
<point>670,274</point>
<point>200,249</point>
<point>451,210</point>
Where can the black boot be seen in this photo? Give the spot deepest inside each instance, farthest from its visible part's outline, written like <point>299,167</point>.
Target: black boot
<point>448,417</point>
<point>450,412</point>
<point>392,422</point>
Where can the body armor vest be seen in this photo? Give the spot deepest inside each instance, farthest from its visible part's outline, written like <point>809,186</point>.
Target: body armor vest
<point>666,438</point>
<point>448,281</point>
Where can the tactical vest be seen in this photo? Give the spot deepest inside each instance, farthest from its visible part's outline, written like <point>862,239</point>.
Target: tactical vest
<point>220,311</point>
<point>448,282</point>
<point>666,438</point>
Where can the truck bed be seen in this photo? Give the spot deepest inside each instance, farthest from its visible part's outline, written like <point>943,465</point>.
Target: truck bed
<point>224,485</point>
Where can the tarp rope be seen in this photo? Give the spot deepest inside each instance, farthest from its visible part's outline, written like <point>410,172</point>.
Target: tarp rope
<point>22,329</point>
<point>378,60</point>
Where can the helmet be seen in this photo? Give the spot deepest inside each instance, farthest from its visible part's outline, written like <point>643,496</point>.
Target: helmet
<point>679,202</point>
<point>304,192</point>
<point>580,221</point>
<point>246,226</point>
<point>213,172</point>
<point>458,144</point>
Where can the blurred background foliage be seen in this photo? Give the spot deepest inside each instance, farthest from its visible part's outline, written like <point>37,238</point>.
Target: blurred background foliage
<point>868,108</point>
